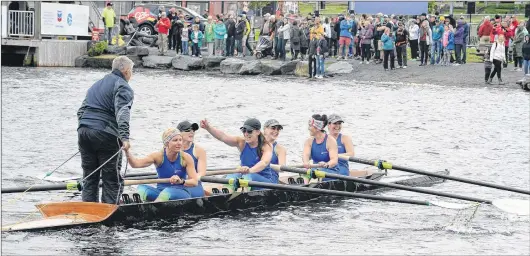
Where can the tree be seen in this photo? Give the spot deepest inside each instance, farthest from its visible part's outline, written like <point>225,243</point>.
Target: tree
<point>258,4</point>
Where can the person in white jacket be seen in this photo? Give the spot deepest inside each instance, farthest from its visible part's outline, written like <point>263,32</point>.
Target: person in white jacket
<point>497,57</point>
<point>413,38</point>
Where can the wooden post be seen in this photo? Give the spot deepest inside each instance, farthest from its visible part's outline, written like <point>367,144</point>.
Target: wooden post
<point>36,21</point>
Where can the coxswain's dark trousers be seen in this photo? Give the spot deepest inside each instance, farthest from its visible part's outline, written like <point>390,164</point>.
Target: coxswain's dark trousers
<point>96,147</point>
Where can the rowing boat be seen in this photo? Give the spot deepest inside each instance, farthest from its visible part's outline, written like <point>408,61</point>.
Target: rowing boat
<point>74,214</point>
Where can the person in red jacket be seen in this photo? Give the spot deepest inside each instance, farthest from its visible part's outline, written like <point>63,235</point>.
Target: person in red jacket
<point>163,25</point>
<point>508,34</point>
<point>485,30</point>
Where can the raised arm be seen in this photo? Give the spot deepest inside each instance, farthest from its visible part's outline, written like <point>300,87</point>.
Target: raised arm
<point>150,159</point>
<point>192,179</point>
<point>232,141</point>
<point>333,152</point>
<point>264,161</point>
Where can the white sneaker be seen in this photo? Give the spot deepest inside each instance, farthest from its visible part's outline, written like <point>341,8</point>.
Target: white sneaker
<point>361,62</point>
<point>404,66</point>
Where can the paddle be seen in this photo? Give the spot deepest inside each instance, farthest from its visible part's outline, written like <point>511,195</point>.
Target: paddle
<point>386,165</point>
<point>246,183</point>
<point>137,174</point>
<point>516,206</point>
<point>75,185</point>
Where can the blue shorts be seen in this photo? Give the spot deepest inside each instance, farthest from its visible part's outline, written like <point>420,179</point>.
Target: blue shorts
<point>150,194</point>
<point>250,176</point>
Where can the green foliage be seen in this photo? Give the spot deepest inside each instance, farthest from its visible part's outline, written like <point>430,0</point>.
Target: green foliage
<point>258,4</point>
<point>97,49</point>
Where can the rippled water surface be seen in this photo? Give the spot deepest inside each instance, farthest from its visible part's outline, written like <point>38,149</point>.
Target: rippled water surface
<point>478,133</point>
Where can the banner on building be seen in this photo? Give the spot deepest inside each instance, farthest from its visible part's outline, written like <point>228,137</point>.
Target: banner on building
<point>397,8</point>
<point>64,19</point>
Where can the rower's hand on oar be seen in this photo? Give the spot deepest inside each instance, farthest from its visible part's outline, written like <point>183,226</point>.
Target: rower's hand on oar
<point>323,164</point>
<point>175,179</point>
<point>243,169</point>
<point>126,146</point>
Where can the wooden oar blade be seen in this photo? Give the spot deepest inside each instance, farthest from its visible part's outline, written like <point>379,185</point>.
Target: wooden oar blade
<point>515,206</point>
<point>450,205</point>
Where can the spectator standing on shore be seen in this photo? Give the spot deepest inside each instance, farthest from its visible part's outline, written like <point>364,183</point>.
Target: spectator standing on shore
<point>366,36</point>
<point>317,29</point>
<point>312,60</point>
<point>196,41</point>
<point>230,35</point>
<point>327,30</point>
<point>304,39</point>
<point>185,37</point>
<point>353,34</point>
<point>344,36</point>
<point>518,41</point>
<point>209,35</point>
<point>459,42</point>
<point>402,39</point>
<point>246,35</point>
<point>388,48</point>
<point>321,51</point>
<point>485,30</point>
<point>172,16</point>
<point>220,32</point>
<point>448,43</point>
<point>414,36</point>
<point>109,19</point>
<point>487,65</point>
<point>278,37</point>
<point>178,26</point>
<point>333,41</point>
<point>526,55</point>
<point>497,57</point>
<point>425,37</point>
<point>240,31</point>
<point>285,32</point>
<point>296,37</point>
<point>436,45</point>
<point>163,25</point>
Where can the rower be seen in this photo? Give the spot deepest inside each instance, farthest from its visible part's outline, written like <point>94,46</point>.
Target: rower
<point>256,152</point>
<point>320,147</point>
<point>344,142</point>
<point>198,154</point>
<point>172,163</point>
<point>271,131</point>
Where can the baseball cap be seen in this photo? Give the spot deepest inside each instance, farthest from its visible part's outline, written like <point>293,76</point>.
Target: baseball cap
<point>251,124</point>
<point>186,125</point>
<point>333,118</point>
<point>109,3</point>
<point>272,122</point>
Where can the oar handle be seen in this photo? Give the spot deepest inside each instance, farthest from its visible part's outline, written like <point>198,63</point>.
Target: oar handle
<point>278,167</point>
<point>387,165</point>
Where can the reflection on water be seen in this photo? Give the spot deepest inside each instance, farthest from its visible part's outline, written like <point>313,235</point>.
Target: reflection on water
<point>476,133</point>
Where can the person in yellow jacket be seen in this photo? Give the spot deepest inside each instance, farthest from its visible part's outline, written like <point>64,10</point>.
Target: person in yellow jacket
<point>317,30</point>
<point>246,35</point>
<point>109,18</point>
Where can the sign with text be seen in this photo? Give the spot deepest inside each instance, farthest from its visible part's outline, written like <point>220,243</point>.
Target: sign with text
<point>64,19</point>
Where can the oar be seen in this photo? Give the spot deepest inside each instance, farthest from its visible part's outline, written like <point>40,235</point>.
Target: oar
<point>386,165</point>
<point>517,206</point>
<point>75,185</point>
<point>136,174</point>
<point>248,183</point>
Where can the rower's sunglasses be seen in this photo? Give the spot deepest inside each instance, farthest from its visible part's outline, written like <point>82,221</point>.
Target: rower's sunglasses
<point>187,130</point>
<point>245,130</point>
<point>277,128</point>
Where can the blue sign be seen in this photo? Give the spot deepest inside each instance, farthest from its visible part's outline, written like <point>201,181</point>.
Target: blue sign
<point>388,8</point>
<point>69,19</point>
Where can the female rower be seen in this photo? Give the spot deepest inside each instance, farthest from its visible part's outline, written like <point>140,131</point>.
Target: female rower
<point>271,131</point>
<point>196,152</point>
<point>344,142</point>
<point>256,152</point>
<point>320,147</point>
<point>170,163</point>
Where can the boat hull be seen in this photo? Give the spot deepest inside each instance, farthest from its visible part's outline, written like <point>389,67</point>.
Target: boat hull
<point>234,202</point>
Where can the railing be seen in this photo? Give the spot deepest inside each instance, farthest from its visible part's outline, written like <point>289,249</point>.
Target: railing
<point>21,23</point>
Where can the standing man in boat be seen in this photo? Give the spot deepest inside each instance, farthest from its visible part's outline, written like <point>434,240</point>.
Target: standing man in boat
<point>195,151</point>
<point>173,163</point>
<point>256,152</point>
<point>271,131</point>
<point>103,129</point>
<point>320,147</point>
<point>344,142</point>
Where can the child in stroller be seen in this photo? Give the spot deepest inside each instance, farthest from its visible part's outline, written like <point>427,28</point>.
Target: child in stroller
<point>263,48</point>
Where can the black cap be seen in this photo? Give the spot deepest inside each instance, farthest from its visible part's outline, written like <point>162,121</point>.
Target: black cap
<point>109,3</point>
<point>251,124</point>
<point>186,125</point>
<point>423,14</point>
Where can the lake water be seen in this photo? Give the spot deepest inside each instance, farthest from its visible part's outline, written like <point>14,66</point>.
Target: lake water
<point>478,133</point>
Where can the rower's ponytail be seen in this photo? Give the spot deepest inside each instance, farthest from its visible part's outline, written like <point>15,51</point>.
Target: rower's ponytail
<point>261,142</point>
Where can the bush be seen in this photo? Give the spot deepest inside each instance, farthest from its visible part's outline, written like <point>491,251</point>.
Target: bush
<point>97,49</point>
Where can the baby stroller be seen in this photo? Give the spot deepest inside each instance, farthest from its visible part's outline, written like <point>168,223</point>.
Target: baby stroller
<point>263,48</point>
